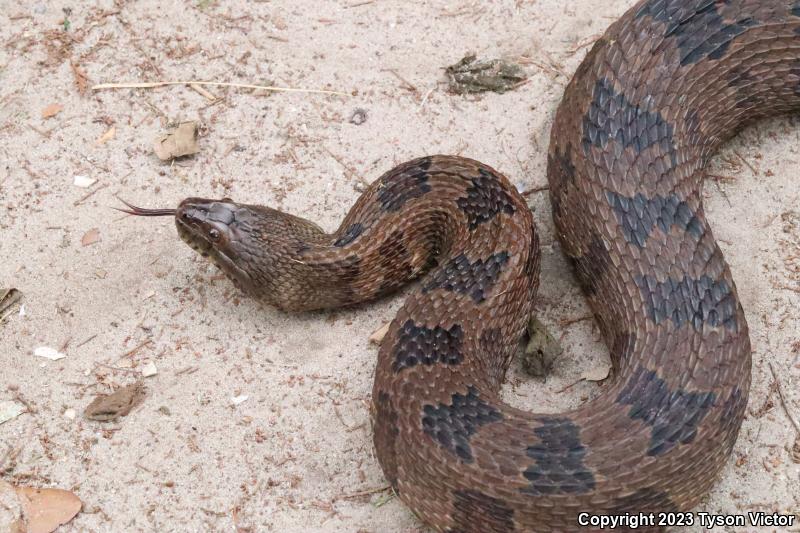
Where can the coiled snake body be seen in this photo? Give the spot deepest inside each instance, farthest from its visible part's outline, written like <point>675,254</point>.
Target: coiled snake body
<point>649,105</point>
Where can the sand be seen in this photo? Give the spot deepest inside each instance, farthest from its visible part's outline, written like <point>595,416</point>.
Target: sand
<point>293,452</point>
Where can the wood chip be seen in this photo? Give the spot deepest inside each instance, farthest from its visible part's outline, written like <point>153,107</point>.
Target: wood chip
<point>108,407</point>
<point>46,509</point>
<point>52,110</point>
<point>48,353</point>
<point>177,143</point>
<point>90,237</point>
<point>107,136</point>
<point>10,409</point>
<point>378,335</point>
<point>84,182</point>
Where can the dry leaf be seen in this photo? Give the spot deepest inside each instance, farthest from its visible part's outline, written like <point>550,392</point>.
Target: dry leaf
<point>11,520</point>
<point>90,237</point>
<point>378,335</point>
<point>107,407</point>
<point>179,142</point>
<point>107,136</point>
<point>52,110</point>
<point>46,509</point>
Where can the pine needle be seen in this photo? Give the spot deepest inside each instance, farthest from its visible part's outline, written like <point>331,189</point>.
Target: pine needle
<point>152,85</point>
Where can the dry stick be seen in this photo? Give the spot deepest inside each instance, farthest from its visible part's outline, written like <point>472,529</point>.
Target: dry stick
<point>746,162</point>
<point>152,85</point>
<point>783,400</point>
<point>198,89</point>
<point>364,492</point>
<point>136,349</point>
<point>408,85</point>
<point>85,197</point>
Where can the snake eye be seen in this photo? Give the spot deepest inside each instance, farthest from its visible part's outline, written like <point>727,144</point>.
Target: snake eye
<point>213,234</point>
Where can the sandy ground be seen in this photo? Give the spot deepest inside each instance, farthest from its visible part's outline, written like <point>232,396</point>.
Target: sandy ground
<point>296,455</point>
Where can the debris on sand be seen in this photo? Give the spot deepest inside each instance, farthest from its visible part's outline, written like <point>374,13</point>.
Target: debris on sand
<point>48,353</point>
<point>178,142</point>
<point>472,76</point>
<point>8,298</point>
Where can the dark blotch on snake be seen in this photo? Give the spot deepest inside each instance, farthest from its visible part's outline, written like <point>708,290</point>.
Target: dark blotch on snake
<point>409,181</point>
<point>561,171</point>
<point>385,435</point>
<point>349,235</point>
<point>485,199</point>
<point>699,28</point>
<point>475,278</point>
<point>733,412</point>
<point>558,460</point>
<point>686,300</point>
<point>418,345</point>
<point>475,511</point>
<point>673,415</point>
<point>592,265</point>
<point>611,117</point>
<point>453,425</point>
<point>638,215</point>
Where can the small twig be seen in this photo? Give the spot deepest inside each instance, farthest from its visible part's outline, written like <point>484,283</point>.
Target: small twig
<point>153,85</point>
<point>88,195</point>
<point>118,368</point>
<point>87,340</point>
<point>569,321</point>
<point>570,386</point>
<point>349,170</point>
<point>198,89</point>
<point>364,492</point>
<point>535,190</point>
<point>408,85</point>
<point>783,400</point>
<point>746,162</point>
<point>136,349</point>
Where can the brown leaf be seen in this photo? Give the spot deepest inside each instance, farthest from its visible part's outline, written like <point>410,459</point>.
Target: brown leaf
<point>107,136</point>
<point>52,110</point>
<point>46,509</point>
<point>81,80</point>
<point>90,237</point>
<point>178,142</point>
<point>108,407</point>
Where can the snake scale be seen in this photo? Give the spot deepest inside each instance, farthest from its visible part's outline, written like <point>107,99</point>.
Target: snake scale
<point>648,106</point>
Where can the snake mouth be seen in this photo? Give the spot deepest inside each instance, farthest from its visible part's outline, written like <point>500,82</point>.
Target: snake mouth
<point>192,232</point>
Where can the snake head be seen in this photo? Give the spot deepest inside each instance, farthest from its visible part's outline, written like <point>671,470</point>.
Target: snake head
<point>219,230</point>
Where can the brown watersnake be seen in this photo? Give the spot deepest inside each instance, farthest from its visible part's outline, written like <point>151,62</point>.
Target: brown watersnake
<point>648,106</point>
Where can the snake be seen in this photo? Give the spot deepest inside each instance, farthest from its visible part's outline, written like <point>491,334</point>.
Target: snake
<point>647,108</point>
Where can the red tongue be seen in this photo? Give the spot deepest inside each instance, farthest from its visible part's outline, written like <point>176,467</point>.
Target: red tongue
<point>142,212</point>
